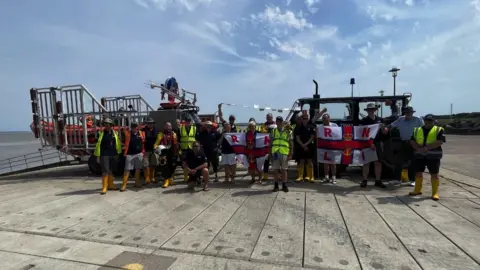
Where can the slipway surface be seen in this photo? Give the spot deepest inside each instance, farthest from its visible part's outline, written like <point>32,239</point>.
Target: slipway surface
<point>56,219</point>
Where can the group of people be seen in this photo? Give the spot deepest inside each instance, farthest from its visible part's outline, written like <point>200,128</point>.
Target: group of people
<point>199,147</point>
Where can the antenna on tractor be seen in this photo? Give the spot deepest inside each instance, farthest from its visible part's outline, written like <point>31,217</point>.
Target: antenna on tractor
<point>316,90</point>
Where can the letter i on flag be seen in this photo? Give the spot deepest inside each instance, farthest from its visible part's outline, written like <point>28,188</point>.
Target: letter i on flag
<point>349,145</point>
<point>257,151</point>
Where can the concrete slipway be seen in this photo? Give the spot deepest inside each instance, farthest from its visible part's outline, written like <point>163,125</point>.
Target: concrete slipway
<point>55,219</point>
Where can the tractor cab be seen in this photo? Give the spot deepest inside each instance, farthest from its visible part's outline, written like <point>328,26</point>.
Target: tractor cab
<point>350,110</point>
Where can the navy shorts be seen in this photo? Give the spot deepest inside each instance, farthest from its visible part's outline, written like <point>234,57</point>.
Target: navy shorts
<point>433,165</point>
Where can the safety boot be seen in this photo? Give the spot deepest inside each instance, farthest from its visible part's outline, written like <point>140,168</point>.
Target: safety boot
<point>146,174</point>
<point>310,178</point>
<point>185,175</point>
<point>110,184</point>
<point>265,177</point>
<point>418,186</point>
<point>435,185</point>
<point>125,180</point>
<point>170,181</point>
<point>300,173</point>
<point>138,183</point>
<point>104,184</point>
<point>166,183</point>
<point>404,176</point>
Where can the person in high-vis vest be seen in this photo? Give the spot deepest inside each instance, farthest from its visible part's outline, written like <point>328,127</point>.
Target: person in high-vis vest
<point>188,134</point>
<point>167,158</point>
<point>281,153</point>
<point>150,162</point>
<point>427,142</point>
<point>134,152</point>
<point>107,150</point>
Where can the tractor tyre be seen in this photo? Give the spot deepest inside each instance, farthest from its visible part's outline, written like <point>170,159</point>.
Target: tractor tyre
<point>94,166</point>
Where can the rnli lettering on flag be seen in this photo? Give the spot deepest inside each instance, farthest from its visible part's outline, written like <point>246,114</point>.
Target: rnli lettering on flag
<point>347,145</point>
<point>254,151</point>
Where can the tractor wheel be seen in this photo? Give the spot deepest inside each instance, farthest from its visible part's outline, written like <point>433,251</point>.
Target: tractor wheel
<point>93,165</point>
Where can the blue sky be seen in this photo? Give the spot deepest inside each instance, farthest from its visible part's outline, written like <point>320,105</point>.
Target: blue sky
<point>241,51</point>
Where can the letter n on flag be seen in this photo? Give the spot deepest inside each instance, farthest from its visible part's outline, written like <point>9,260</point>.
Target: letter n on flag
<point>259,152</point>
<point>349,145</point>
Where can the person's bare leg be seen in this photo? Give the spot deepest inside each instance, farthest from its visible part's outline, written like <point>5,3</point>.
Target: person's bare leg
<point>333,168</point>
<point>205,176</point>
<point>378,174</point>
<point>227,173</point>
<point>326,169</point>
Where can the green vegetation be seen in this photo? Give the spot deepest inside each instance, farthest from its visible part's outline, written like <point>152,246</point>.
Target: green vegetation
<point>459,117</point>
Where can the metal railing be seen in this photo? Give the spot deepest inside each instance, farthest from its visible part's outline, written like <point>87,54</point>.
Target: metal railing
<point>33,160</point>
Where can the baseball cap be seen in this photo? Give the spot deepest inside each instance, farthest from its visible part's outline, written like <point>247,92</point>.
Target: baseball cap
<point>429,117</point>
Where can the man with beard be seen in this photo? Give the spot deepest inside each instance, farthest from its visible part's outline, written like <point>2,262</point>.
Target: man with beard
<point>196,164</point>
<point>167,138</point>
<point>209,139</point>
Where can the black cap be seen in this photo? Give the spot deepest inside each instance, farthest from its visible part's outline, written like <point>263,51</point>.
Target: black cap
<point>279,118</point>
<point>251,119</point>
<point>149,120</point>
<point>429,117</point>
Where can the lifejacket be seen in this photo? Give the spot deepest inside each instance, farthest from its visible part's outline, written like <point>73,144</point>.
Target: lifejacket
<point>281,141</point>
<point>187,140</point>
<point>431,138</point>
<point>118,144</point>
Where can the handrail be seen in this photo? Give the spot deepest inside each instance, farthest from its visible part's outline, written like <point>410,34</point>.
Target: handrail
<point>32,160</point>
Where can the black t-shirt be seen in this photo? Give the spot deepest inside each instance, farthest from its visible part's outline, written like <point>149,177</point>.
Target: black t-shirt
<point>107,146</point>
<point>194,160</point>
<point>366,121</point>
<point>304,132</point>
<point>226,147</point>
<point>209,140</point>
<point>440,137</point>
<point>369,121</point>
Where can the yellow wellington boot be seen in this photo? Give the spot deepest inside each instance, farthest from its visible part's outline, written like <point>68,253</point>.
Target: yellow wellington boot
<point>418,186</point>
<point>104,184</point>
<point>152,175</point>
<point>265,176</point>
<point>170,181</point>
<point>111,185</point>
<point>404,176</point>
<point>310,177</point>
<point>435,185</point>
<point>146,174</point>
<point>138,182</point>
<point>300,173</point>
<point>125,180</point>
<point>166,183</point>
<point>185,175</point>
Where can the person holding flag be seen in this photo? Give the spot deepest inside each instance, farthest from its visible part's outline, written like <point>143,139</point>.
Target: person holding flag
<point>229,158</point>
<point>253,166</point>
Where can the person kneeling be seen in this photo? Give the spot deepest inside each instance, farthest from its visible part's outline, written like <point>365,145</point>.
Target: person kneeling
<point>196,164</point>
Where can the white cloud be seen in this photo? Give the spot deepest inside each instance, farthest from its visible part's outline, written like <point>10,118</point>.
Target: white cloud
<point>311,5</point>
<point>275,17</point>
<point>409,3</point>
<point>295,48</point>
<point>214,49</point>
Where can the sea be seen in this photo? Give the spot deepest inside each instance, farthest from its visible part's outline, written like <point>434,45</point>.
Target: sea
<point>19,150</point>
<point>17,143</point>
